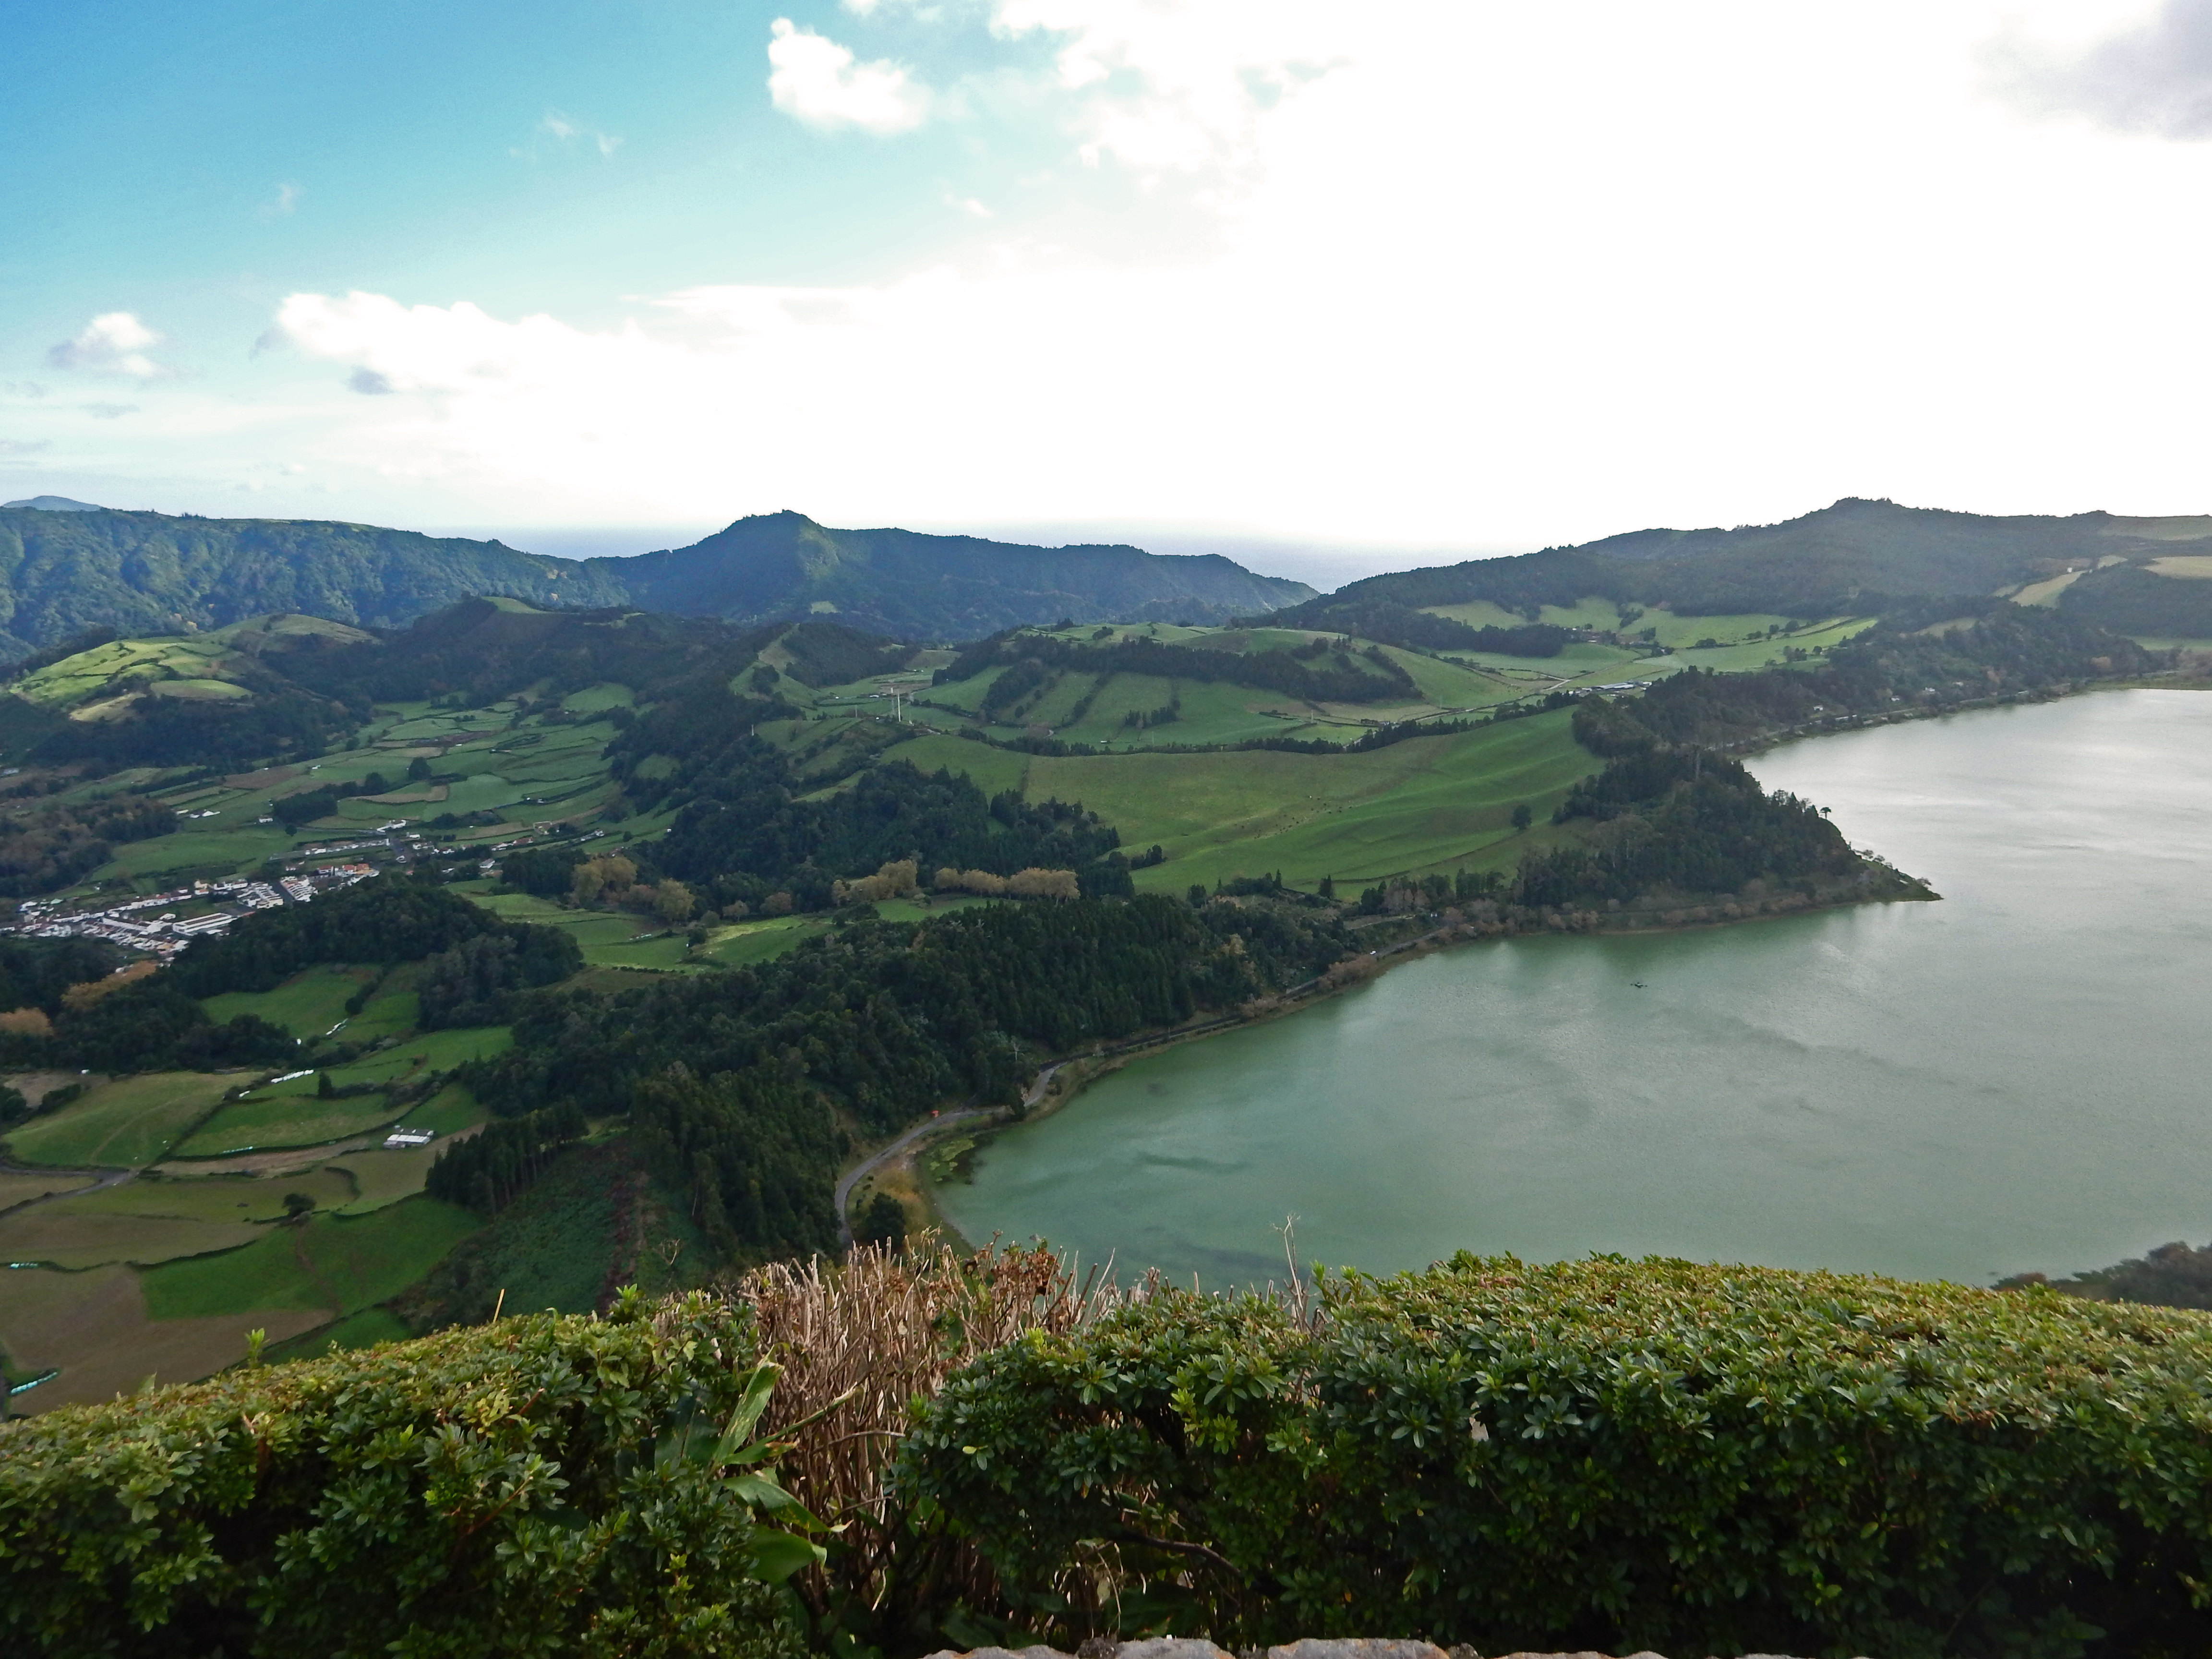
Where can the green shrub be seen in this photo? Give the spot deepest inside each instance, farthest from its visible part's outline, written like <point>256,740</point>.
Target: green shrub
<point>538,1486</point>
<point>1601,1454</point>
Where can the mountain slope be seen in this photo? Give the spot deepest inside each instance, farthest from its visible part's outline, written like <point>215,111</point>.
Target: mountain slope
<point>948,588</point>
<point>1856,555</point>
<point>63,572</point>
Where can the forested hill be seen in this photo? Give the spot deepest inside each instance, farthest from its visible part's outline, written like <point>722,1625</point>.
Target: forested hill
<point>64,571</point>
<point>1857,556</point>
<point>900,582</point>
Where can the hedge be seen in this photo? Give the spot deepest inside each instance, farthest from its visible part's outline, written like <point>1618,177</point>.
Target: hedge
<point>1606,1454</point>
<point>533,1486</point>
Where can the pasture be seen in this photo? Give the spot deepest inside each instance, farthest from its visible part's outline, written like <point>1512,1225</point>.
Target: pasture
<point>338,1264</point>
<point>306,1004</point>
<point>95,1328</point>
<point>127,1122</point>
<point>17,1188</point>
<point>1424,804</point>
<point>273,1120</point>
<point>157,1219</point>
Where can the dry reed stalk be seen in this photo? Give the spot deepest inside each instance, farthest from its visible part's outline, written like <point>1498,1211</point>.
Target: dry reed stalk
<point>890,1327</point>
<point>886,1328</point>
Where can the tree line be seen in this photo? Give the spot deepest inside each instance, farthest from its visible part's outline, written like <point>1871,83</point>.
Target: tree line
<point>731,1080</point>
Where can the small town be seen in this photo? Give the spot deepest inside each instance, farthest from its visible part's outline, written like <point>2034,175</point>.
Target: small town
<point>162,924</point>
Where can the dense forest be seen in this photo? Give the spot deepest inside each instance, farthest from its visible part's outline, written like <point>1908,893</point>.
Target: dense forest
<point>731,1080</point>
<point>743,832</point>
<point>46,847</point>
<point>394,919</point>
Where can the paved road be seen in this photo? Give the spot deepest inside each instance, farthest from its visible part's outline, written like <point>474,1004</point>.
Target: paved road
<point>859,1171</point>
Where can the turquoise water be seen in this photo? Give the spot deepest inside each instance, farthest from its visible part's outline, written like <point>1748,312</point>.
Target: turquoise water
<point>2019,1077</point>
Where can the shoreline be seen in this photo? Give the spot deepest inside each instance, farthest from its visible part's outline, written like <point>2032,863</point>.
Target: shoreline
<point>1064,1079</point>
<point>1059,1081</point>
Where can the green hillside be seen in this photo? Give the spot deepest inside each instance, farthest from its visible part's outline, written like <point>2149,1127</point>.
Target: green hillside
<point>1855,557</point>
<point>64,571</point>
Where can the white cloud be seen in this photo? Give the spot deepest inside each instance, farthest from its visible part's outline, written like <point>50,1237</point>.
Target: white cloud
<point>565,128</point>
<point>1178,85</point>
<point>285,201</point>
<point>2152,76</point>
<point>114,343</point>
<point>109,411</point>
<point>819,82</point>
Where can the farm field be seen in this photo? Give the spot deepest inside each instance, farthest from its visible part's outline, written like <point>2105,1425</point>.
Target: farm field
<point>428,1051</point>
<point>94,1329</point>
<point>306,1004</point>
<point>127,1122</point>
<point>1424,804</point>
<point>16,1188</point>
<point>609,938</point>
<point>337,1264</point>
<point>269,1121</point>
<point>381,1176</point>
<point>154,1220</point>
<point>451,1110</point>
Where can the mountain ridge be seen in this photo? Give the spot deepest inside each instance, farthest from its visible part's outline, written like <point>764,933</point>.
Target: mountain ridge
<point>1856,555</point>
<point>63,572</point>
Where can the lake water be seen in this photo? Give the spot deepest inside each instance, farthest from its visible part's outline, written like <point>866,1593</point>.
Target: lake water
<point>2019,1077</point>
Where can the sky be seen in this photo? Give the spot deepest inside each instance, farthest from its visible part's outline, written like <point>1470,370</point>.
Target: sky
<point>1331,288</point>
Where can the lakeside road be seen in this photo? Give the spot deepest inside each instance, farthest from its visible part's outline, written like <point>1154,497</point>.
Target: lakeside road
<point>883,1155</point>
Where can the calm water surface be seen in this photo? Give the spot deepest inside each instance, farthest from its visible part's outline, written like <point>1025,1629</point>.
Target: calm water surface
<point>2019,1077</point>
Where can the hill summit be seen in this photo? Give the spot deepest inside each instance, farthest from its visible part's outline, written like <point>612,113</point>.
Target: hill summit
<point>66,567</point>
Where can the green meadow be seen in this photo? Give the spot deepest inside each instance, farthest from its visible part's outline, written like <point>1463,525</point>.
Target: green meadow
<point>343,1263</point>
<point>127,1122</point>
<point>306,1004</point>
<point>1424,804</point>
<point>277,1120</point>
<point>161,1218</point>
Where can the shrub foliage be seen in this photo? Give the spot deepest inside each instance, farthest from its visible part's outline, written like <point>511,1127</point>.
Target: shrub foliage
<point>1602,1453</point>
<point>540,1485</point>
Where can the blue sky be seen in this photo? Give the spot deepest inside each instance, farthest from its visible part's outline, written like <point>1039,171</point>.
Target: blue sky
<point>1404,274</point>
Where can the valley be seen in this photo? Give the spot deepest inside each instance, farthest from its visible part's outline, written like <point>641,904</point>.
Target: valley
<point>637,927</point>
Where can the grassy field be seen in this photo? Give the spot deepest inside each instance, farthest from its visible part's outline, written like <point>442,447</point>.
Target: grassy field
<point>1428,803</point>
<point>338,1263</point>
<point>95,1328</point>
<point>129,1122</point>
<point>430,1051</point>
<point>306,1004</point>
<point>451,1110</point>
<point>382,1175</point>
<point>159,1219</point>
<point>18,1189</point>
<point>284,1120</point>
<point>609,938</point>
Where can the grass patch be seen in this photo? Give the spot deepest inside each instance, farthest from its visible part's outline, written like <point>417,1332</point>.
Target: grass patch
<point>306,1004</point>
<point>130,1121</point>
<point>93,1327</point>
<point>159,1219</point>
<point>747,942</point>
<point>18,1188</point>
<point>284,1120</point>
<point>342,1263</point>
<point>384,1176</point>
<point>1428,803</point>
<point>593,1222</point>
<point>449,1111</point>
<point>430,1051</point>
<point>364,1329</point>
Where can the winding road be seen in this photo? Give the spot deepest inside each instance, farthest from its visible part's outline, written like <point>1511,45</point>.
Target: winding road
<point>883,1155</point>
